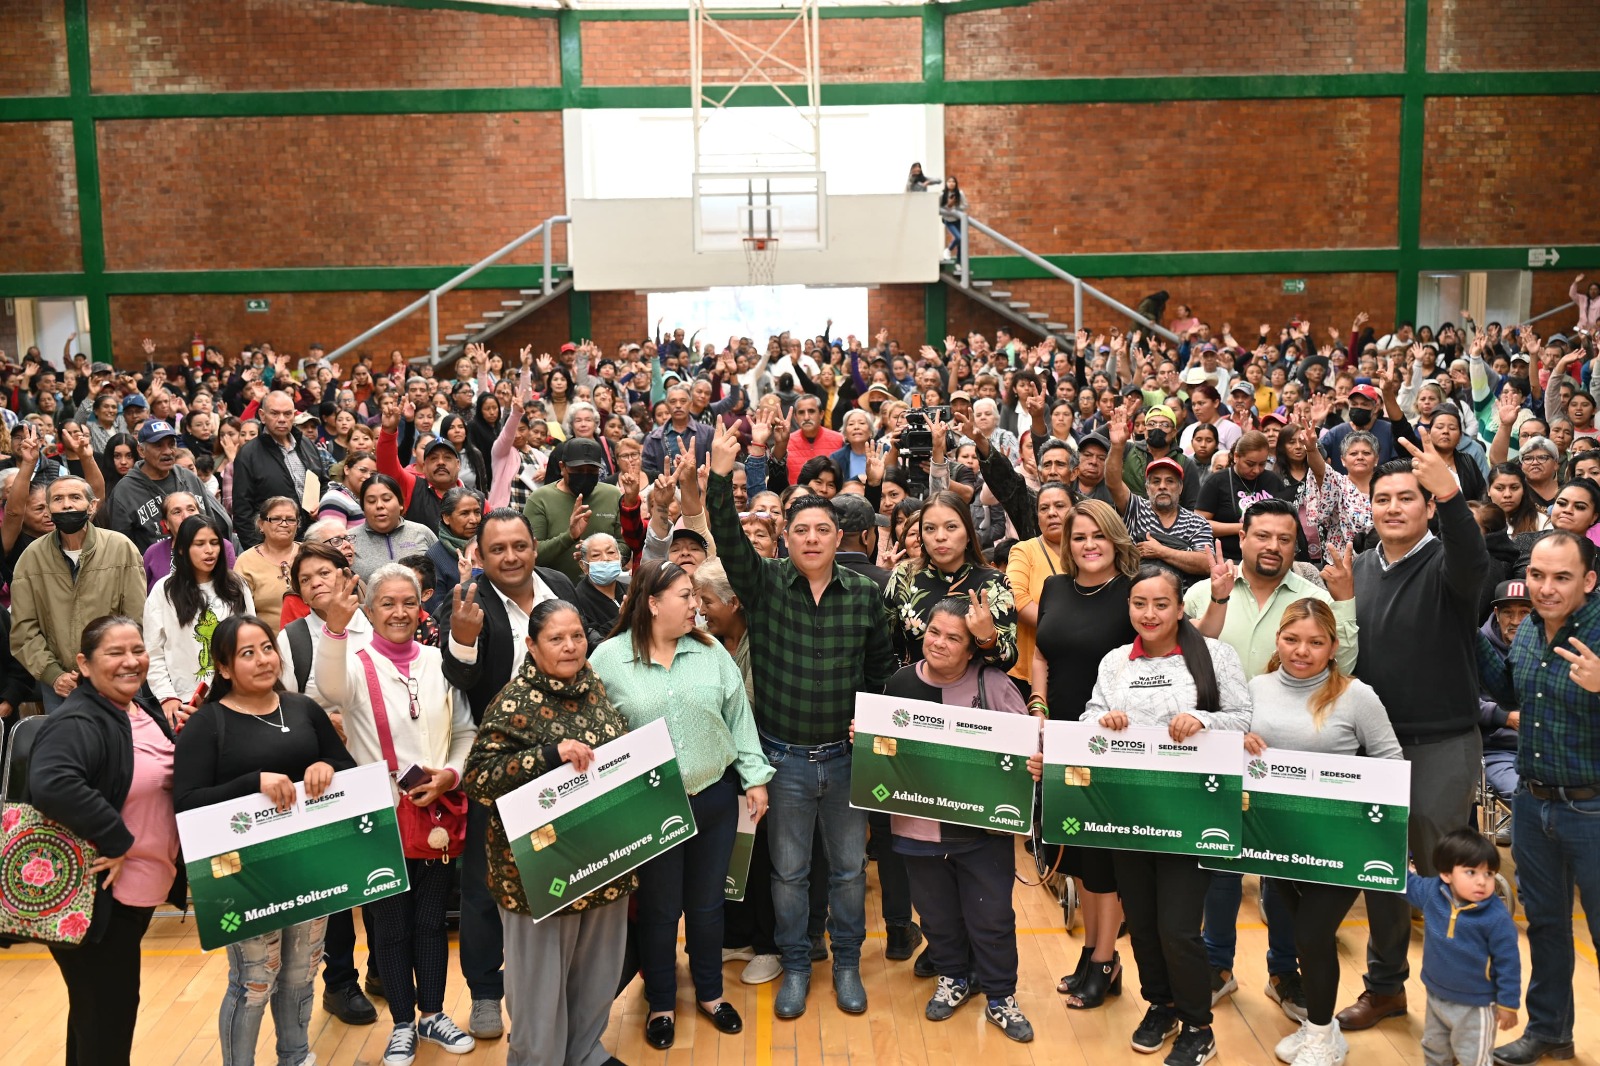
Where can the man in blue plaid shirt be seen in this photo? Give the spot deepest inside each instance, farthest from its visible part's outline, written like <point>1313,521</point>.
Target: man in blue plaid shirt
<point>1555,817</point>
<point>818,635</point>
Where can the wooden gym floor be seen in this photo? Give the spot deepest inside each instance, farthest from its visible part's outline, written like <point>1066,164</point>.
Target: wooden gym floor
<point>183,987</point>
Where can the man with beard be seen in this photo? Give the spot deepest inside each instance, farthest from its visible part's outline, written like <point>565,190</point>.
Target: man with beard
<point>1242,608</point>
<point>1161,442</point>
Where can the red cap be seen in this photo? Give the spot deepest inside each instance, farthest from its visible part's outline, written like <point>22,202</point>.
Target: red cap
<point>569,347</point>
<point>1164,464</point>
<point>1366,390</point>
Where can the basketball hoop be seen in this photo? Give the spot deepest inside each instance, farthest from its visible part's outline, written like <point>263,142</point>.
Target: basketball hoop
<point>761,257</point>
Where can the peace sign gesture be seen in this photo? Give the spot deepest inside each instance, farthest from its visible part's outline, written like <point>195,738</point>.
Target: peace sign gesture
<point>980,619</point>
<point>1222,575</point>
<point>1339,576</point>
<point>1585,664</point>
<point>724,449</point>
<point>1432,473</point>
<point>466,614</point>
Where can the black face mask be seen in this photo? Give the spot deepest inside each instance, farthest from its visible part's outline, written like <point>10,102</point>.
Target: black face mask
<point>582,481</point>
<point>70,521</point>
<point>1360,417</point>
<point>1156,438</point>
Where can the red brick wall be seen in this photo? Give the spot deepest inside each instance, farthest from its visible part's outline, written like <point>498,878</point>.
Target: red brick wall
<point>38,199</point>
<point>657,53</point>
<point>33,48</point>
<point>1184,175</point>
<point>1088,39</point>
<point>1510,170</point>
<point>297,320</point>
<point>245,45</point>
<point>1526,35</point>
<point>1243,301</point>
<point>616,317</point>
<point>338,190</point>
<point>901,309</point>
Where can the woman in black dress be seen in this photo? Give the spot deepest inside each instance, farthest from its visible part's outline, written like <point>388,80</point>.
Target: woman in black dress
<point>1083,614</point>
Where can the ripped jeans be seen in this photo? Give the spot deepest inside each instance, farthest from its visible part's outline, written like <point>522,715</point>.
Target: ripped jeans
<point>280,968</point>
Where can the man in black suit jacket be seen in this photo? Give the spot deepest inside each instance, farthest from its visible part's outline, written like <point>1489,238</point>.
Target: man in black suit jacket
<point>484,644</point>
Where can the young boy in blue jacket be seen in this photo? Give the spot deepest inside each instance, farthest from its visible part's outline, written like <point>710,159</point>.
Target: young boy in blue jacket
<point>1470,963</point>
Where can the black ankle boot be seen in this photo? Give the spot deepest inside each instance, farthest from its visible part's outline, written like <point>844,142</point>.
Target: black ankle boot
<point>1103,979</point>
<point>1069,985</point>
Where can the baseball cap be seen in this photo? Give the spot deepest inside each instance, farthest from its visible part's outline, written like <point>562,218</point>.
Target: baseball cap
<point>582,451</point>
<point>569,347</point>
<point>1277,416</point>
<point>1164,464</point>
<point>1161,410</point>
<point>1520,357</point>
<point>1366,391</point>
<point>303,417</point>
<point>154,430</point>
<point>1195,375</point>
<point>440,442</point>
<point>1097,438</point>
<point>685,533</point>
<point>855,514</point>
<point>961,394</point>
<point>1243,387</point>
<point>134,400</point>
<point>1511,592</point>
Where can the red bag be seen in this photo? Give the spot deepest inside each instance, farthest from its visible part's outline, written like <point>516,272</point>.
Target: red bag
<point>437,831</point>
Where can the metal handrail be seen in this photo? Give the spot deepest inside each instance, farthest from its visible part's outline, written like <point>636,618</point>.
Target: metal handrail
<point>431,298</point>
<point>1079,286</point>
<point>1552,311</point>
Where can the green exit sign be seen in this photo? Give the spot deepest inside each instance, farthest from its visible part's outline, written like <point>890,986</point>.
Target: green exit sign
<point>257,305</point>
<point>1294,284</point>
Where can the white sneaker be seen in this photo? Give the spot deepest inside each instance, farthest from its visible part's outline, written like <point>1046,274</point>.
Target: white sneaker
<point>761,969</point>
<point>1325,1048</point>
<point>439,1029</point>
<point>1290,1045</point>
<point>737,955</point>
<point>402,1049</point>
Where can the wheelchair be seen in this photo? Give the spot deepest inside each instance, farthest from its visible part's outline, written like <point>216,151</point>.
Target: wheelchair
<point>1493,816</point>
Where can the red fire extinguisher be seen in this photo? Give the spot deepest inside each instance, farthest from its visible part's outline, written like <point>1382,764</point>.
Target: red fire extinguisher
<point>197,350</point>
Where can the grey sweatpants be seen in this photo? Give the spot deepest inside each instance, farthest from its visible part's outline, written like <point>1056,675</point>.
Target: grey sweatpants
<point>561,977</point>
<point>1444,781</point>
<point>1455,1032</point>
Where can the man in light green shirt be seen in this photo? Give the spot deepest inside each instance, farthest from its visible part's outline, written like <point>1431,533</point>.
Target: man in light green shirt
<point>1247,618</point>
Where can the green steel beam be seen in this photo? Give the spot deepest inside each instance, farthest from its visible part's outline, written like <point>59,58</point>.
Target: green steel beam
<point>570,35</point>
<point>580,324</point>
<point>897,11</point>
<point>86,166</point>
<point>467,5</point>
<point>933,52</point>
<point>933,313</point>
<point>1413,123</point>
<point>330,102</point>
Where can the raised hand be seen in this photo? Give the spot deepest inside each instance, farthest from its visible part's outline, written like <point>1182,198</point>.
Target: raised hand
<point>1507,409</point>
<point>1339,575</point>
<point>1432,473</point>
<point>629,481</point>
<point>466,613</point>
<point>578,524</point>
<point>525,356</point>
<point>476,352</point>
<point>148,345</point>
<point>545,363</point>
<point>1222,573</point>
<point>1584,664</point>
<point>761,428</point>
<point>724,449</point>
<point>980,619</point>
<point>344,603</point>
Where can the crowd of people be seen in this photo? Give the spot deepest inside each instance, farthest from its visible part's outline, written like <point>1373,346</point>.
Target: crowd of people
<point>1363,544</point>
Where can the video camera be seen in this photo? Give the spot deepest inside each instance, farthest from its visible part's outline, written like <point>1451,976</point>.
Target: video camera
<point>916,440</point>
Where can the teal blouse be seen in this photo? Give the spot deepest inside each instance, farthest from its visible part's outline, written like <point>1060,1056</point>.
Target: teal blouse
<point>702,698</point>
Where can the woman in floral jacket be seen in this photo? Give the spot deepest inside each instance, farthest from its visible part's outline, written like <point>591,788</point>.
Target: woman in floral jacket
<point>561,973</point>
<point>952,565</point>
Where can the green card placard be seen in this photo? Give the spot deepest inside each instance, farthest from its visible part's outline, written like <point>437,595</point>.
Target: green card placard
<point>253,869</point>
<point>1137,789</point>
<point>744,845</point>
<point>952,764</point>
<point>1332,819</point>
<point>573,832</point>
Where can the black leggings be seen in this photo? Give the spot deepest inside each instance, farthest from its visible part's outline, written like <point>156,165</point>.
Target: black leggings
<point>103,989</point>
<point>1318,910</point>
<point>1163,898</point>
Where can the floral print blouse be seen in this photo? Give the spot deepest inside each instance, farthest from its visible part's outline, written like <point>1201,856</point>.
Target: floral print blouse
<point>1342,511</point>
<point>915,588</point>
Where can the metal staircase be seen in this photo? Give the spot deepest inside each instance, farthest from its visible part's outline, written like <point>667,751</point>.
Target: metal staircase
<point>555,280</point>
<point>992,294</point>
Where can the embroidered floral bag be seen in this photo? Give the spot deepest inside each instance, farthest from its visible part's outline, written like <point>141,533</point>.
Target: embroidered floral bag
<point>47,893</point>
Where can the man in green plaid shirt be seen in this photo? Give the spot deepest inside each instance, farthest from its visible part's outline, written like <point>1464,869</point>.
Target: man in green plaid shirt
<point>818,635</point>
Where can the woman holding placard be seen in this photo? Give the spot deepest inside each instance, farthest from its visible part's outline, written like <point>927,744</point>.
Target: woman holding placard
<point>1172,677</point>
<point>658,665</point>
<point>961,875</point>
<point>251,737</point>
<point>1082,613</point>
<point>1304,703</point>
<point>103,769</point>
<point>399,709</point>
<point>561,973</point>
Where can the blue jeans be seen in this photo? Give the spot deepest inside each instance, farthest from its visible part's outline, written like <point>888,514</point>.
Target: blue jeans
<point>1223,897</point>
<point>279,968</point>
<point>803,795</point>
<point>1557,846</point>
<point>50,698</point>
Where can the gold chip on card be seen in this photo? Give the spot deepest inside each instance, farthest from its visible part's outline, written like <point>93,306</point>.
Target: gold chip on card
<point>225,865</point>
<point>543,837</point>
<point>1079,776</point>
<point>885,745</point>
<point>1244,801</point>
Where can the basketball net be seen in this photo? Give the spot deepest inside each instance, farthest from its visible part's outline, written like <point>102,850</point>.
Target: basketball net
<point>761,258</point>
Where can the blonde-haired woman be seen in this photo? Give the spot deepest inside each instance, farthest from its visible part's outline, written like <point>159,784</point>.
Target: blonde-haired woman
<point>1082,615</point>
<point>1304,703</point>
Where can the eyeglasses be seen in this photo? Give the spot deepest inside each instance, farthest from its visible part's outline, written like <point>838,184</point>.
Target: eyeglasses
<point>412,688</point>
<point>291,520</point>
<point>343,538</point>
